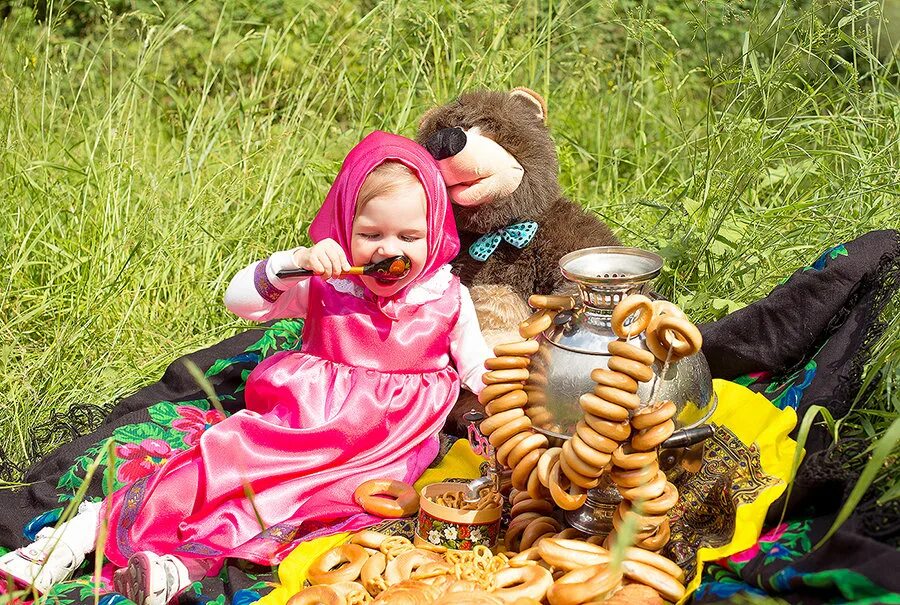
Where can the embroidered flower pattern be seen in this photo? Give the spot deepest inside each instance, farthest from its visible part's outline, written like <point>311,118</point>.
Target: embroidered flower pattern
<point>194,421</point>
<point>141,459</point>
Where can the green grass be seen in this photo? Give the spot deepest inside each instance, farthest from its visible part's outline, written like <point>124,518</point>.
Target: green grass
<point>151,150</point>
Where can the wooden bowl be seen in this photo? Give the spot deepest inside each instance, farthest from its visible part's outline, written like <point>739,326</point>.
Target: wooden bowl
<point>451,527</point>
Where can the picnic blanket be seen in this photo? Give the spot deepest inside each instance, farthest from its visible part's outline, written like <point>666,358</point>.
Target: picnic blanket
<point>805,344</point>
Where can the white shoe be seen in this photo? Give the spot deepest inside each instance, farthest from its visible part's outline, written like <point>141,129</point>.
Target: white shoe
<point>56,553</point>
<point>42,563</point>
<point>151,579</point>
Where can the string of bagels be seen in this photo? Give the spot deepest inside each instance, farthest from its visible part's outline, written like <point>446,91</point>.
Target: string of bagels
<point>545,563</point>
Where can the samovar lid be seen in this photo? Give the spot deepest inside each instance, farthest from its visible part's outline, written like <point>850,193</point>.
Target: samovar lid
<point>610,265</point>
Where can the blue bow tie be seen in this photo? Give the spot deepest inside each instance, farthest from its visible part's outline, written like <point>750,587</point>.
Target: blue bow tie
<point>517,234</point>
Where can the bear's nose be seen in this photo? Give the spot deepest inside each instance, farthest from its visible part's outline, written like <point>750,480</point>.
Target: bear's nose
<point>446,143</point>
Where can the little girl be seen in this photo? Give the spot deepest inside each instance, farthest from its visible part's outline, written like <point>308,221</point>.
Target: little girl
<point>378,372</point>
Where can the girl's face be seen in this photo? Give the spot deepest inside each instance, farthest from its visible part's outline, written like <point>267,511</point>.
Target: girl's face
<point>390,225</point>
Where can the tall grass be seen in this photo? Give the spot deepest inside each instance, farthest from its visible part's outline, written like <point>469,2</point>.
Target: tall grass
<point>150,150</point>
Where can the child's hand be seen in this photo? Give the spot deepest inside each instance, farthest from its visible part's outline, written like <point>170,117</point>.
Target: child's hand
<point>326,258</point>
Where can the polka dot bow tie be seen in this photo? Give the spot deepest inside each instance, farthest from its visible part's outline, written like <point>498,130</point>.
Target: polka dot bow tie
<point>517,234</point>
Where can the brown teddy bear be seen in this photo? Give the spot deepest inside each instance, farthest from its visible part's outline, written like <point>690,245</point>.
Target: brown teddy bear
<point>500,165</point>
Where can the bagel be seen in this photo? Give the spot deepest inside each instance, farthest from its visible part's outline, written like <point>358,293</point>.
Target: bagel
<point>588,454</point>
<point>577,478</point>
<point>493,391</point>
<point>504,450</point>
<point>509,430</point>
<point>514,583</point>
<point>523,347</point>
<point>660,581</point>
<point>567,498</point>
<point>536,324</point>
<point>616,380</point>
<point>625,458</point>
<point>627,307</point>
<point>524,467</point>
<point>555,303</point>
<point>339,564</point>
<point>368,538</point>
<point>656,560</point>
<point>548,459</point>
<point>650,439</point>
<point>630,368</point>
<point>634,477</point>
<point>403,501</point>
<point>598,406</point>
<point>371,573</point>
<point>577,464</point>
<point>506,362</point>
<point>595,439</point>
<point>653,415</point>
<point>513,399</point>
<point>662,503</point>
<point>617,431</point>
<point>492,423</point>
<point>629,351</point>
<point>533,441</point>
<point>401,567</point>
<point>501,376</point>
<point>530,506</point>
<point>658,539</point>
<point>648,491</point>
<point>591,583</point>
<point>617,396</point>
<point>536,530</point>
<point>316,595</point>
<point>568,554</point>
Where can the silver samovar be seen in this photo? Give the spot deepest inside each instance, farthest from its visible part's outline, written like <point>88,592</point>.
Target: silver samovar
<point>576,344</point>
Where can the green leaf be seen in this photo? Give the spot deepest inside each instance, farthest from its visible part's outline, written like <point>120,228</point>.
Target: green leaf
<point>135,433</point>
<point>218,367</point>
<point>883,448</point>
<point>164,413</point>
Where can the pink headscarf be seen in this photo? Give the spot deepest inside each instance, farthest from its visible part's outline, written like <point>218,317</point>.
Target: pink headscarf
<point>335,218</point>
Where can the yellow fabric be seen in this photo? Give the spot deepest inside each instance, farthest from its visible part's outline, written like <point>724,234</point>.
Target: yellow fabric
<point>753,419</point>
<point>750,416</point>
<point>460,462</point>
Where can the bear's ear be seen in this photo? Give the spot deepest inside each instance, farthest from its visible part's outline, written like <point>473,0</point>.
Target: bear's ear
<point>534,99</point>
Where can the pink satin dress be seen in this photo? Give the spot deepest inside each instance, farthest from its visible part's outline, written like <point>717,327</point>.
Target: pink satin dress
<point>364,399</point>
